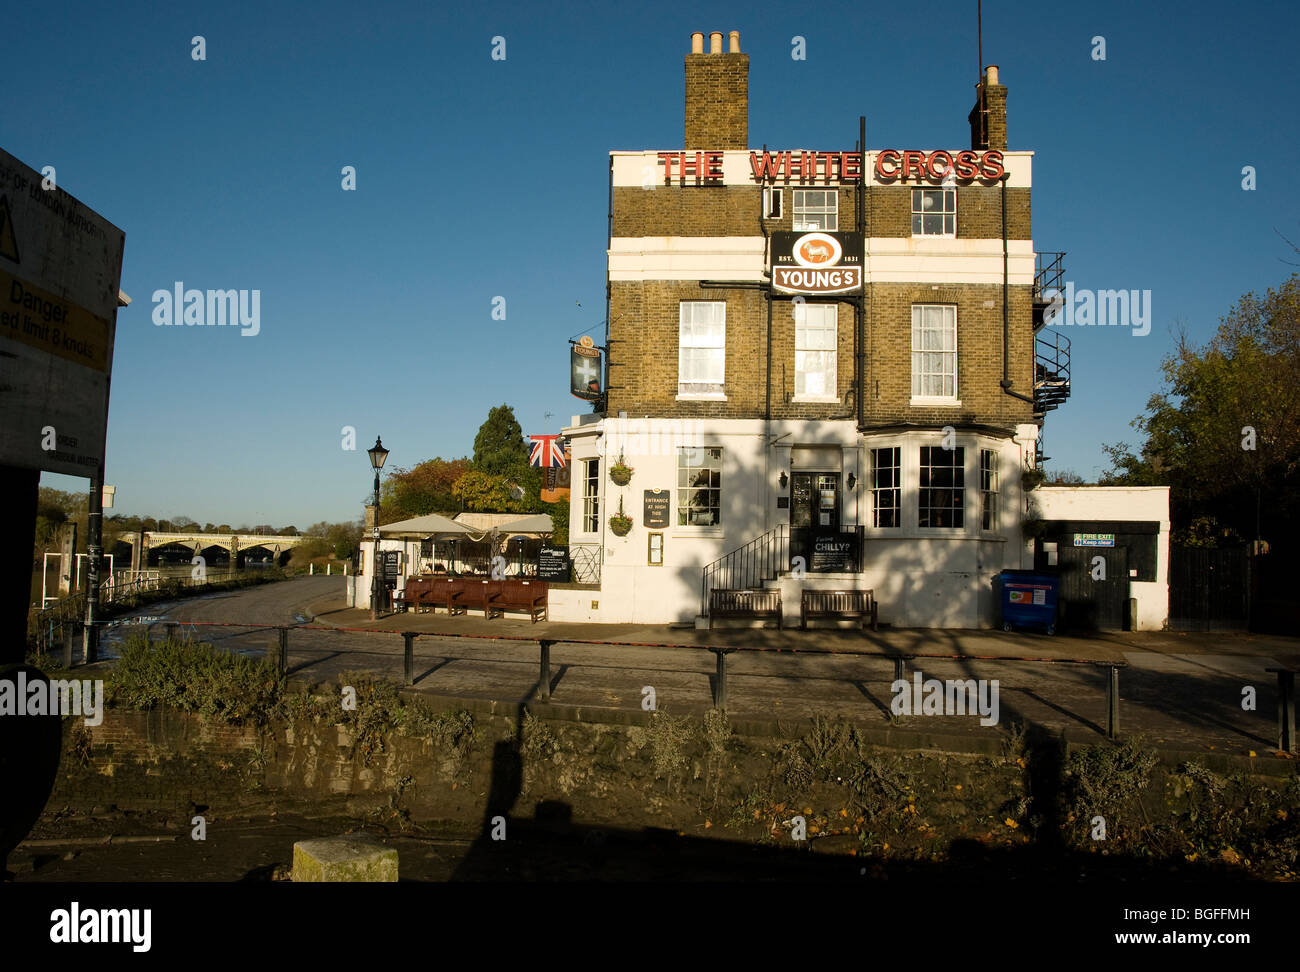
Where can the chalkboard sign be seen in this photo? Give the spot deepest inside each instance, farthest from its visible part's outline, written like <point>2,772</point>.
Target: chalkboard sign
<point>656,509</point>
<point>553,564</point>
<point>390,561</point>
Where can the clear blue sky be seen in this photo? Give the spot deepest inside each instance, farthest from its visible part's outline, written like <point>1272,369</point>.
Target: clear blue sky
<point>480,178</point>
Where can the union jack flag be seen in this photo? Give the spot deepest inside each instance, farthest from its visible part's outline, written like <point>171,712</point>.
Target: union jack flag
<point>548,451</point>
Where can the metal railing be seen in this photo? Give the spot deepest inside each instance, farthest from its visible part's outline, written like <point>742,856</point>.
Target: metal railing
<point>1049,275</point>
<point>762,559</point>
<point>1051,370</point>
<point>277,651</point>
<point>586,559</point>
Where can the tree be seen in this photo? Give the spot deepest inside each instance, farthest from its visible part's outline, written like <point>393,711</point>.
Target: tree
<point>559,513</point>
<point>499,446</point>
<point>486,493</point>
<point>1224,435</point>
<point>1063,477</point>
<point>426,488</point>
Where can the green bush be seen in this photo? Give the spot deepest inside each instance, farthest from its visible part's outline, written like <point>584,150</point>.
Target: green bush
<point>192,676</point>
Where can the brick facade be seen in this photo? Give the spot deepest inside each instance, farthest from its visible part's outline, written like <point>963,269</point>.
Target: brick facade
<point>644,313</point>
<point>717,101</point>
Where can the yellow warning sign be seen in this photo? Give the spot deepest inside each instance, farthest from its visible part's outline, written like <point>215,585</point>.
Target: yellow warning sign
<point>48,323</point>
<point>8,245</point>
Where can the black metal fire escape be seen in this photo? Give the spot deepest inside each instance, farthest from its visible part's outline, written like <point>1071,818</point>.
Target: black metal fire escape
<point>1051,346</point>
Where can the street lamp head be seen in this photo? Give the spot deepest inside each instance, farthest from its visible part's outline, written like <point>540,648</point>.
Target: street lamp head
<point>377,454</point>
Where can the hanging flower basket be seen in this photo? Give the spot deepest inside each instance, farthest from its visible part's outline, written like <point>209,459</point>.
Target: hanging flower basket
<point>620,472</point>
<point>620,522</point>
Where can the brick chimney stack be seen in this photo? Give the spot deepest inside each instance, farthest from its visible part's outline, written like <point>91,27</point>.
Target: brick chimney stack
<point>717,94</point>
<point>989,131</point>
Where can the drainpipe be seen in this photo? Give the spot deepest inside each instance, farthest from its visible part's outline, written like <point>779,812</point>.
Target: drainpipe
<point>1006,327</point>
<point>608,291</point>
<point>859,329</point>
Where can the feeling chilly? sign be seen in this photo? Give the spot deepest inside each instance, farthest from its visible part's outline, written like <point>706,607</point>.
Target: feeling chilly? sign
<point>60,270</point>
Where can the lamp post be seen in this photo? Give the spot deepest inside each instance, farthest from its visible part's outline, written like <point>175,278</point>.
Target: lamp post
<point>377,456</point>
<point>452,543</point>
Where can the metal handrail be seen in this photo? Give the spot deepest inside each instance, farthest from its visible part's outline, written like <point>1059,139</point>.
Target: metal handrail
<point>759,560</point>
<point>1051,370</point>
<point>1048,274</point>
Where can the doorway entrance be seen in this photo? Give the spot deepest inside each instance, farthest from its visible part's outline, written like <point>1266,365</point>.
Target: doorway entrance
<point>815,501</point>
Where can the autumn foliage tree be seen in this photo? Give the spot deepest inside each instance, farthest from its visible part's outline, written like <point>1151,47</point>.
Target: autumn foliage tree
<point>1225,432</point>
<point>425,488</point>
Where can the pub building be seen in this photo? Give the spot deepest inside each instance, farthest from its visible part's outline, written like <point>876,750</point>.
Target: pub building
<point>825,369</point>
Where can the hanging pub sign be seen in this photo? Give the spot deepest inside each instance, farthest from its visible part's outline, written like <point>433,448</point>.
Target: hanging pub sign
<point>584,370</point>
<point>817,263</point>
<point>655,514</point>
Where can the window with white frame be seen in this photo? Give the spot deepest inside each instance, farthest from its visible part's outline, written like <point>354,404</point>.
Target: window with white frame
<point>934,351</point>
<point>815,351</point>
<point>702,347</point>
<point>934,212</point>
<point>816,209</point>
<point>699,486</point>
<point>772,199</point>
<point>591,496</point>
<point>886,487</point>
<point>988,489</point>
<point>943,487</point>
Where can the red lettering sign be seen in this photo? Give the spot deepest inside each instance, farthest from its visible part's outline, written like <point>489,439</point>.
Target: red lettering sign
<point>991,166</point>
<point>939,164</point>
<point>891,157</point>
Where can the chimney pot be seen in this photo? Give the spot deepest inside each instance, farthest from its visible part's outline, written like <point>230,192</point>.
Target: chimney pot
<point>991,74</point>
<point>715,42</point>
<point>735,42</point>
<point>697,42</point>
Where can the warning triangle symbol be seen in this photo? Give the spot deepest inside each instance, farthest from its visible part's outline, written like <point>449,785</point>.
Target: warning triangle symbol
<point>8,245</point>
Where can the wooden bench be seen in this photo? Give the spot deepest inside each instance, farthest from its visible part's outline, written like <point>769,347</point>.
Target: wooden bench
<point>410,596</point>
<point>837,604</point>
<point>448,592</point>
<point>515,595</point>
<point>752,605</point>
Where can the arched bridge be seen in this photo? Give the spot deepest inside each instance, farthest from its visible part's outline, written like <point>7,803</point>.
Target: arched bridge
<point>238,547</point>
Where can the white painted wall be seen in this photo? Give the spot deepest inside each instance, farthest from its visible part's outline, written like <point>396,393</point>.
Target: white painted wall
<point>922,578</point>
<point>1120,503</point>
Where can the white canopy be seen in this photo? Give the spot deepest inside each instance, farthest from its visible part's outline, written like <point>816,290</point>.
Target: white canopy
<point>430,526</point>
